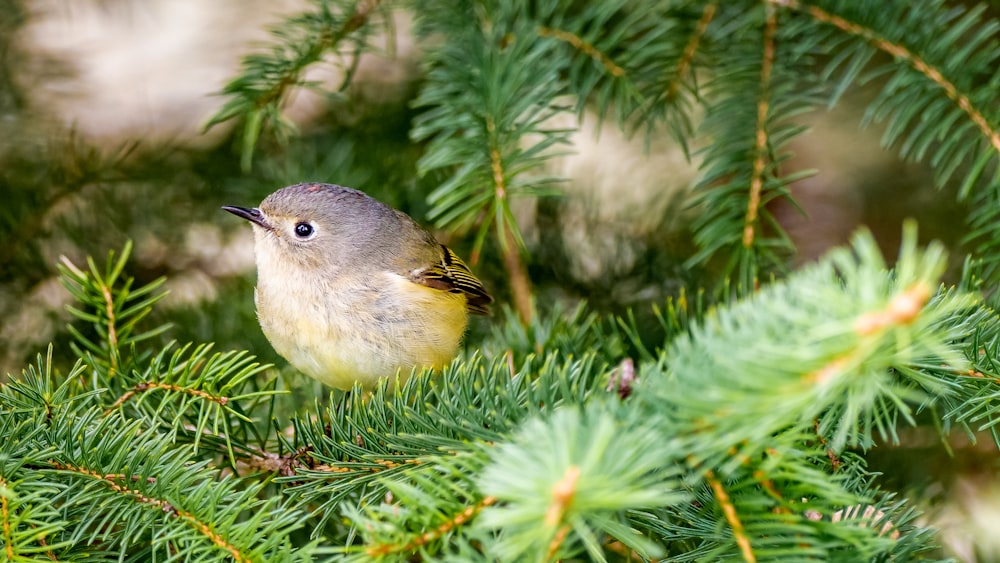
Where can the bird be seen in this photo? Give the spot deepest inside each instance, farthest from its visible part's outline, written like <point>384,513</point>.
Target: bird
<point>351,291</point>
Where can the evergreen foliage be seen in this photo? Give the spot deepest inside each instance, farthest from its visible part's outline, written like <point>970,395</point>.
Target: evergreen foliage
<point>739,433</point>
<point>714,450</point>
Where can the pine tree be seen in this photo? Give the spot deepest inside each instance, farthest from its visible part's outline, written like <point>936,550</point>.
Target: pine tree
<point>740,433</point>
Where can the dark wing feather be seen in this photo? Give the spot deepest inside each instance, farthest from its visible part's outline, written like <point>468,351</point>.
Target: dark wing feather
<point>451,274</point>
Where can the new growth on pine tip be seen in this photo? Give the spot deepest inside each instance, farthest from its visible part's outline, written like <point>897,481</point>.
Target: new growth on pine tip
<point>583,479</point>
<point>111,305</point>
<point>843,343</point>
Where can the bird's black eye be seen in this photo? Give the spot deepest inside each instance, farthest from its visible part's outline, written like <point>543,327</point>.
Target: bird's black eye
<point>304,230</point>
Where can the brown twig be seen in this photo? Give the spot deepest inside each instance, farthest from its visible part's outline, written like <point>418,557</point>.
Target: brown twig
<point>768,486</point>
<point>585,47</point>
<point>760,141</point>
<point>557,541</point>
<point>903,309</point>
<point>109,307</point>
<point>383,465</point>
<point>459,519</point>
<point>123,477</point>
<point>902,53</point>
<point>520,283</point>
<point>729,510</point>
<point>562,495</point>
<point>147,385</point>
<point>43,543</point>
<point>830,454</point>
<point>165,506</point>
<point>690,49</point>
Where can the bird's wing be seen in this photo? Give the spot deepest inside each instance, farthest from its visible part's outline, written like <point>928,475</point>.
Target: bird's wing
<point>452,275</point>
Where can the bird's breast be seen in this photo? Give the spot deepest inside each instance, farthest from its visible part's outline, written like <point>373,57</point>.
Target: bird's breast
<point>364,329</point>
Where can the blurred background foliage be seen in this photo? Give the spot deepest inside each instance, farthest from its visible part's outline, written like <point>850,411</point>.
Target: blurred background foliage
<point>103,107</point>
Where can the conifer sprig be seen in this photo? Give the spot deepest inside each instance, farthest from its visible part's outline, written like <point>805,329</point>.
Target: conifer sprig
<point>489,108</point>
<point>29,522</point>
<point>939,102</point>
<point>862,369</point>
<point>112,308</point>
<point>195,395</point>
<point>257,96</point>
<point>489,122</point>
<point>728,443</point>
<point>584,479</point>
<point>750,101</point>
<point>356,446</point>
<point>98,463</point>
<point>438,468</point>
<point>974,400</point>
<point>130,490</point>
<point>189,391</point>
<point>877,326</point>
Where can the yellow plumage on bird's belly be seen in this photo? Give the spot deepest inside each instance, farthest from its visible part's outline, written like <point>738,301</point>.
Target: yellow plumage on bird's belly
<point>406,325</point>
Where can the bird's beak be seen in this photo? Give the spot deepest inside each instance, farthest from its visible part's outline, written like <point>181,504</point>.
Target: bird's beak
<point>251,214</point>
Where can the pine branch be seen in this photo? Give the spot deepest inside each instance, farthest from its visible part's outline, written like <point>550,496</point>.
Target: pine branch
<point>584,479</point>
<point>430,512</point>
<point>577,497</point>
<point>974,403</point>
<point>586,48</point>
<point>901,53</point>
<point>357,445</point>
<point>119,486</point>
<point>115,308</point>
<point>671,95</point>
<point>258,94</point>
<point>939,104</point>
<point>761,138</point>
<point>875,323</point>
<point>690,49</point>
<point>735,524</point>
<point>488,107</point>
<point>188,392</point>
<point>434,467</point>
<point>28,520</point>
<point>750,102</point>
<point>124,492</point>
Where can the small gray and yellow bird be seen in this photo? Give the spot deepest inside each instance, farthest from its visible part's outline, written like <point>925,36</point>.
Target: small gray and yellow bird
<point>351,290</point>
